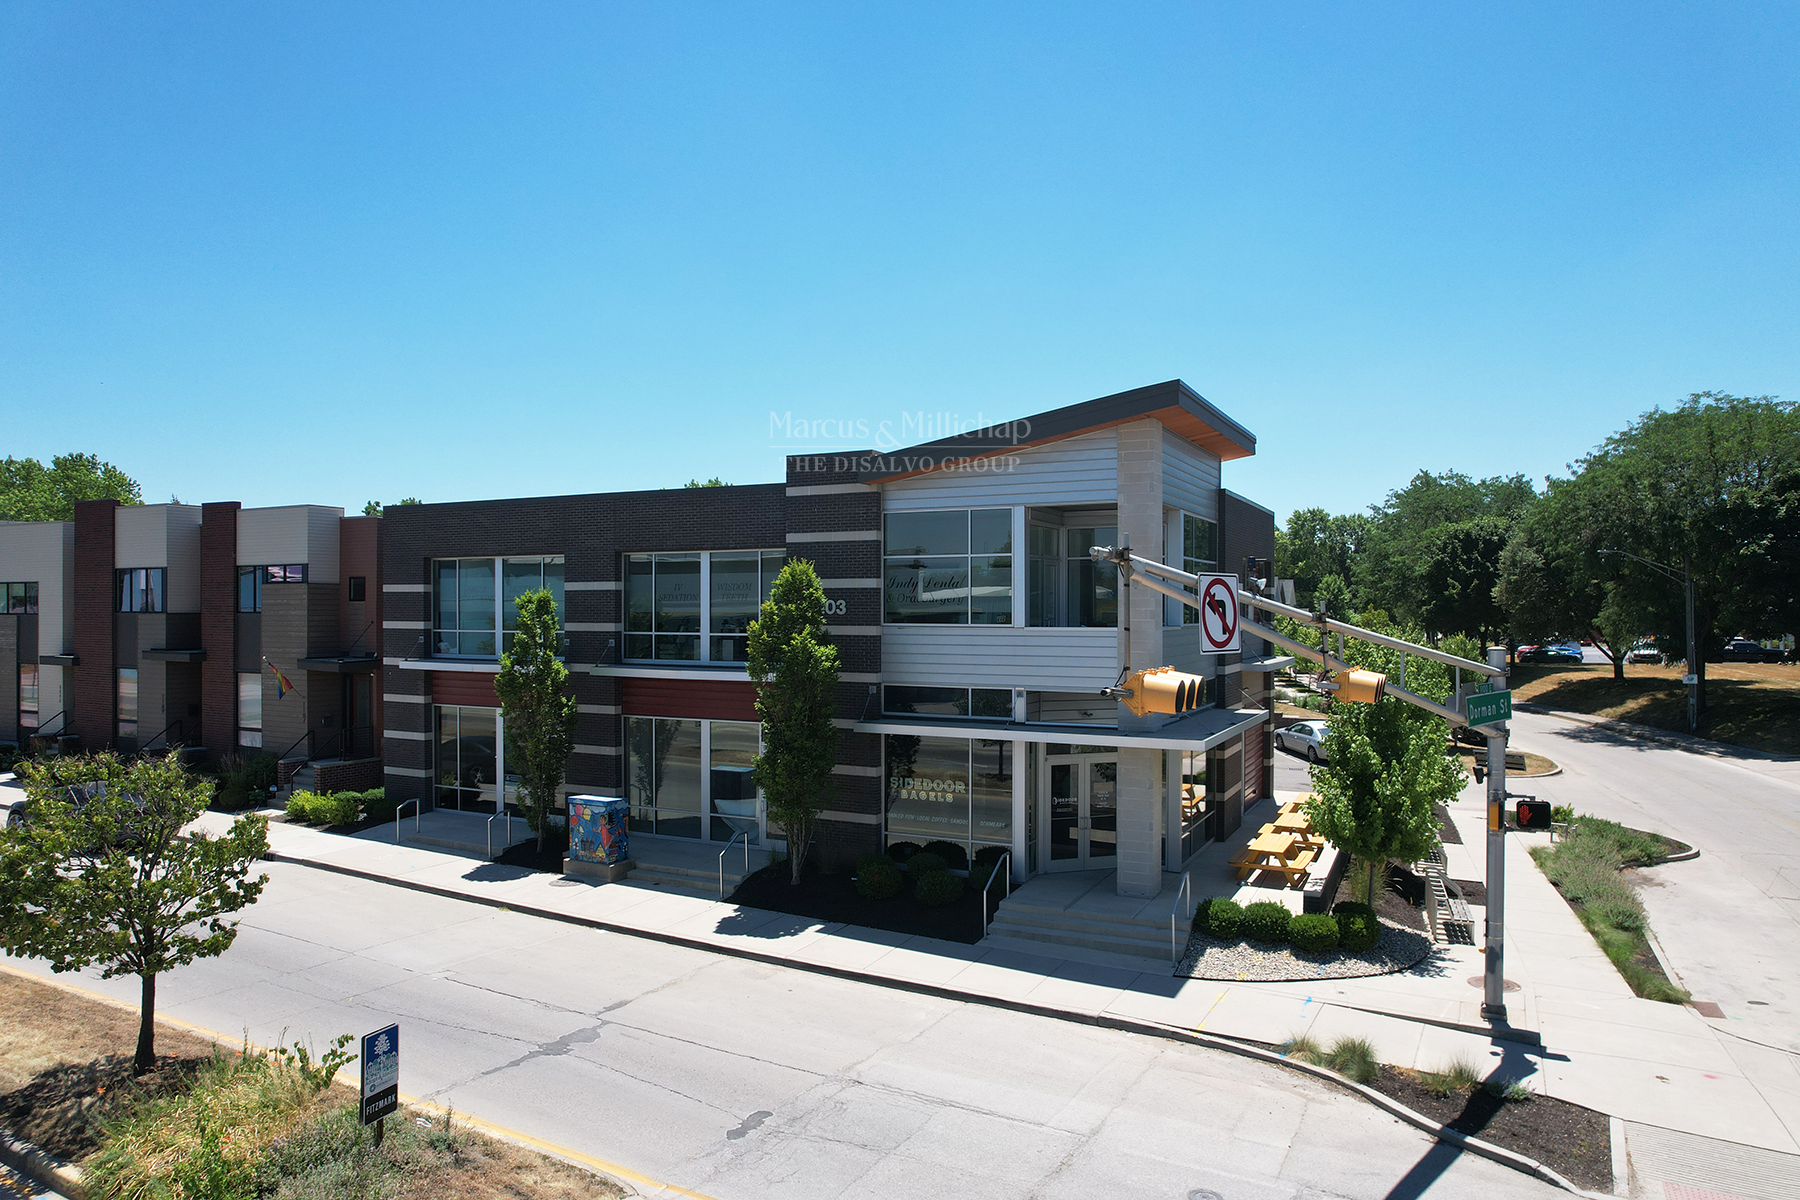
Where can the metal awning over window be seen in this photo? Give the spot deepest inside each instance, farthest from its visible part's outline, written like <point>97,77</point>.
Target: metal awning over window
<point>1196,731</point>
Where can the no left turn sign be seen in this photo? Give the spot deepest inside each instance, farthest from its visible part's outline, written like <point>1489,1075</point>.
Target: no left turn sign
<point>1218,614</point>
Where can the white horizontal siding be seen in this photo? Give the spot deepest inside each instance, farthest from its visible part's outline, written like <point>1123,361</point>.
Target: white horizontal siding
<point>291,533</point>
<point>1057,660</point>
<point>1190,477</point>
<point>43,552</point>
<point>184,558</point>
<point>1078,470</point>
<point>162,535</point>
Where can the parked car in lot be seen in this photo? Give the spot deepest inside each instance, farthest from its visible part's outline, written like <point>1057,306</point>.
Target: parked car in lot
<point>1745,650</point>
<point>1643,652</point>
<point>1559,654</point>
<point>1304,738</point>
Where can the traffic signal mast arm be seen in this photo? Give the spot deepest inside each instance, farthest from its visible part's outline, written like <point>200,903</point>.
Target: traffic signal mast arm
<point>1159,577</point>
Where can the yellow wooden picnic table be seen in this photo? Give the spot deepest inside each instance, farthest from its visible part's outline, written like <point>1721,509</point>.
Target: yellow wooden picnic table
<point>1283,853</point>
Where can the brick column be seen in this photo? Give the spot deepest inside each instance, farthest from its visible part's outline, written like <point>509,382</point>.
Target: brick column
<point>218,627</point>
<point>93,703</point>
<point>834,521</point>
<point>1140,771</point>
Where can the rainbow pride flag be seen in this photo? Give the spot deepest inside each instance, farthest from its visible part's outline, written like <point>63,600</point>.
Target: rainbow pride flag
<point>283,685</point>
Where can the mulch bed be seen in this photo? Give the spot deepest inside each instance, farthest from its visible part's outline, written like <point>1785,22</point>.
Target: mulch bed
<point>834,898</point>
<point>1447,831</point>
<point>63,1110</point>
<point>1397,949</point>
<point>1573,1141</point>
<point>525,854</point>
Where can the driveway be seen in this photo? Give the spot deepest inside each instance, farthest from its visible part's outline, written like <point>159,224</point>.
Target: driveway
<point>1729,921</point>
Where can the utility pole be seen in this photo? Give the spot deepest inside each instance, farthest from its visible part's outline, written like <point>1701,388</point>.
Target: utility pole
<point>1493,981</point>
<point>1693,661</point>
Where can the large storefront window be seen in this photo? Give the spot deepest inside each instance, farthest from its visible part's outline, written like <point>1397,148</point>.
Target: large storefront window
<point>692,779</point>
<point>475,598</point>
<point>468,758</point>
<point>947,701</point>
<point>1200,814</point>
<point>949,789</point>
<point>1093,586</point>
<point>695,607</point>
<point>949,568</point>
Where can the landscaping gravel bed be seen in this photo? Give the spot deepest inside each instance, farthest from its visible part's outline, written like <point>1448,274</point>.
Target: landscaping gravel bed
<point>1397,949</point>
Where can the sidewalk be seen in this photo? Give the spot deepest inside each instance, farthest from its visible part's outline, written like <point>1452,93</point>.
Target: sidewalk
<point>1648,1063</point>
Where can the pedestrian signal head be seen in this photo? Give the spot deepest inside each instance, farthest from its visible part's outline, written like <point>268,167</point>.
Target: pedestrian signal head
<point>1359,687</point>
<point>1162,690</point>
<point>1533,814</point>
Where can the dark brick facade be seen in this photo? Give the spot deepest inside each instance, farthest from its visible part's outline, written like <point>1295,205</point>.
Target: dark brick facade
<point>218,626</point>
<point>94,705</point>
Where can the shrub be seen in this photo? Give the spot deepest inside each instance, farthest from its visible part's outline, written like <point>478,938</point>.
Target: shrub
<point>880,879</point>
<point>1562,814</point>
<point>9,754</point>
<point>953,854</point>
<point>244,781</point>
<point>341,808</point>
<point>901,851</point>
<point>376,805</point>
<point>989,857</point>
<point>1460,1077</point>
<point>938,888</point>
<point>1353,1058</point>
<point>1267,922</point>
<point>924,863</point>
<point>1358,929</point>
<point>870,862</point>
<point>302,806</point>
<point>1219,917</point>
<point>1314,933</point>
<point>1302,1048</point>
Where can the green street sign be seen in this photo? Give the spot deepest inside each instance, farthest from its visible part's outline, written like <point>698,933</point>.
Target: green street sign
<point>1489,708</point>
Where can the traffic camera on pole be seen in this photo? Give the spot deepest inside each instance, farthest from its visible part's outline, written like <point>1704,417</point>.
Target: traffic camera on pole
<point>1159,690</point>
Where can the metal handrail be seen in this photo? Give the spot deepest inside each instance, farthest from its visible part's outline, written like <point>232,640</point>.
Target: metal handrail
<point>727,850</point>
<point>150,741</point>
<point>305,737</point>
<point>1005,860</point>
<point>490,831</point>
<point>61,712</point>
<point>1186,889</point>
<point>397,809</point>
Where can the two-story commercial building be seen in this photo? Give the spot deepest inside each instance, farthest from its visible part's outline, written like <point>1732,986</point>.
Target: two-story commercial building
<point>975,632</point>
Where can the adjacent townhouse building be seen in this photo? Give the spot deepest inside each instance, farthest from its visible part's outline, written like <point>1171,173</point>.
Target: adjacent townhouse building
<point>975,632</point>
<point>232,630</point>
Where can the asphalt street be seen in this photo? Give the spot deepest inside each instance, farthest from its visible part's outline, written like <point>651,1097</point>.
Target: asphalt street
<point>737,1079</point>
<point>1728,922</point>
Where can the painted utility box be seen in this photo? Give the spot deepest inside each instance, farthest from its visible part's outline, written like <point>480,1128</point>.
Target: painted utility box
<point>599,835</point>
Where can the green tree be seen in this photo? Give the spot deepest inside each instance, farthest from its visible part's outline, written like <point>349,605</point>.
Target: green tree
<point>30,491</point>
<point>1314,544</point>
<point>1712,487</point>
<point>101,874</point>
<point>372,509</point>
<point>539,711</point>
<point>1386,767</point>
<point>1461,568</point>
<point>1553,584</point>
<point>715,481</point>
<point>796,672</point>
<point>1407,530</point>
<point>1333,595</point>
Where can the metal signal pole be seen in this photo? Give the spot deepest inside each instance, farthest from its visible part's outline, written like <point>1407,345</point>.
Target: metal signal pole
<point>1493,974</point>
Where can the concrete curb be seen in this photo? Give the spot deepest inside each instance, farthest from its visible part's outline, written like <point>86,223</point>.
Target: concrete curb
<point>42,1168</point>
<point>1518,1162</point>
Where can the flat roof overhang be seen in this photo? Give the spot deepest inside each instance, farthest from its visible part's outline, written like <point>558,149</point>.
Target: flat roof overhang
<point>1178,406</point>
<point>162,654</point>
<point>361,664</point>
<point>59,660</point>
<point>1197,731</point>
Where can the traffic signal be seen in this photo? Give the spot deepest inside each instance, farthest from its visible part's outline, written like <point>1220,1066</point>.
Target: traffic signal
<point>1161,690</point>
<point>1359,687</point>
<point>1533,814</point>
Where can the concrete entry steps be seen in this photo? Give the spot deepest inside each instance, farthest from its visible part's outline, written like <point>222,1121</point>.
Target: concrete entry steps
<point>1083,909</point>
<point>691,868</point>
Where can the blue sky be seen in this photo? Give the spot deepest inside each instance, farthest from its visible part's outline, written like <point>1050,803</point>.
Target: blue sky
<point>328,254</point>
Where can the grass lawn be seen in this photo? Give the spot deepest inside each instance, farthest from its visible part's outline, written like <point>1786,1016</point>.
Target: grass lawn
<point>1754,705</point>
<point>212,1122</point>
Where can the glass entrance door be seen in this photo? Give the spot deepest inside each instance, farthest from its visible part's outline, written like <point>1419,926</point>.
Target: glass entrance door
<point>1083,808</point>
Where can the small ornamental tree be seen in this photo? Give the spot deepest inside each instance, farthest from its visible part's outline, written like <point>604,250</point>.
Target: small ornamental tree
<point>796,673</point>
<point>101,874</point>
<point>533,686</point>
<point>1386,768</point>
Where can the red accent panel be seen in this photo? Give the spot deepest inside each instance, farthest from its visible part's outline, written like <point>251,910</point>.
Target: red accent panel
<point>464,687</point>
<point>712,700</point>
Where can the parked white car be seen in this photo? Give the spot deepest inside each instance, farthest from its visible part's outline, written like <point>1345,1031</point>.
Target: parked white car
<point>1643,652</point>
<point>1304,738</point>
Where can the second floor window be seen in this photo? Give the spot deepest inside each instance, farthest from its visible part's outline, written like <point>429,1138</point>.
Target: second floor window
<point>948,568</point>
<point>21,597</point>
<point>140,590</point>
<point>1199,554</point>
<point>251,580</point>
<point>695,607</point>
<point>474,608</point>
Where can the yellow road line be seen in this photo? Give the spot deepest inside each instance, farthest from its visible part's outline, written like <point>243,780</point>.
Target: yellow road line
<point>601,1165</point>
